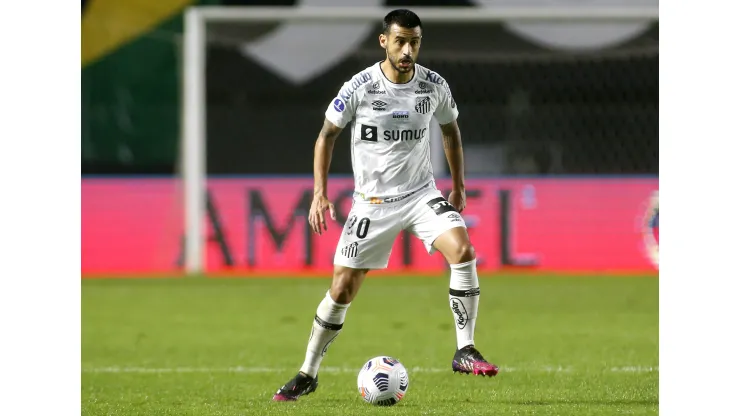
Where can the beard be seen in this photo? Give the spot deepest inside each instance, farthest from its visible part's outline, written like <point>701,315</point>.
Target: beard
<point>395,64</point>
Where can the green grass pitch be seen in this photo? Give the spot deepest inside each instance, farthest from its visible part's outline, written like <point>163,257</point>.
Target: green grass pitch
<point>565,345</point>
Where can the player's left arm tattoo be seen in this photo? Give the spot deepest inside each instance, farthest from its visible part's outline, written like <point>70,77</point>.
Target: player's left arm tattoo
<point>329,131</point>
<point>454,153</point>
<point>451,135</point>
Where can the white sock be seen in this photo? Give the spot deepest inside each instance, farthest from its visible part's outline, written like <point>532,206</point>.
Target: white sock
<point>464,295</point>
<point>326,327</point>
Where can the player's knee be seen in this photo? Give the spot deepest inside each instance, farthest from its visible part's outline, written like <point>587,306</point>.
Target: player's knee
<point>341,290</point>
<point>464,253</point>
<point>345,284</point>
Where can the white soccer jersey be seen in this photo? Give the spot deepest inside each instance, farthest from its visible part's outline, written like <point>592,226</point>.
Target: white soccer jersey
<point>390,129</point>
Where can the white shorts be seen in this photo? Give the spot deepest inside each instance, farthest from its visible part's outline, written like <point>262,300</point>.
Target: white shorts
<point>371,229</point>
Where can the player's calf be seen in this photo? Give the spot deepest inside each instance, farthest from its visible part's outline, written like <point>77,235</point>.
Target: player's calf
<point>327,324</point>
<point>464,296</point>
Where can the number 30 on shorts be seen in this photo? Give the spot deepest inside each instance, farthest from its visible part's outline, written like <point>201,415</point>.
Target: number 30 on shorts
<point>362,227</point>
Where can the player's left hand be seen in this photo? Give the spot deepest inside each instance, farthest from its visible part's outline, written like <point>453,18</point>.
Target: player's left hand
<point>457,199</point>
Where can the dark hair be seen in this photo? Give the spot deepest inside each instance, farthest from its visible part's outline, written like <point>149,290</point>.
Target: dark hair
<point>401,17</point>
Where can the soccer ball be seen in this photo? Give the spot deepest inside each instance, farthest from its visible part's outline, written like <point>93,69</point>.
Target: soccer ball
<point>383,381</point>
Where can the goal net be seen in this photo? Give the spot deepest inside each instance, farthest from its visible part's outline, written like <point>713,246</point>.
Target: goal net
<point>542,90</point>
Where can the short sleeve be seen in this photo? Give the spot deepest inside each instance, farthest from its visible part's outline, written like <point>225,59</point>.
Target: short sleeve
<point>446,111</point>
<point>342,108</point>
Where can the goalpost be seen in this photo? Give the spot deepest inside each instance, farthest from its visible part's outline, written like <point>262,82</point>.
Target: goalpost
<point>193,131</point>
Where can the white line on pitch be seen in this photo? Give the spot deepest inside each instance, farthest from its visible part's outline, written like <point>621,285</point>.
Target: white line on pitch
<point>239,369</point>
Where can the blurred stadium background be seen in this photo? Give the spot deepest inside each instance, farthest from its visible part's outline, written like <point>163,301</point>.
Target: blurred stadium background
<point>560,124</point>
<point>560,131</point>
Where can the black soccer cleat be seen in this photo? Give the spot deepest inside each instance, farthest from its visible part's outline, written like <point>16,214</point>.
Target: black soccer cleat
<point>468,360</point>
<point>298,386</point>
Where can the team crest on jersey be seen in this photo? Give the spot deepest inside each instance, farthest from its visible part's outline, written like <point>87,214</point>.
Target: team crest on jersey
<point>423,105</point>
<point>350,250</point>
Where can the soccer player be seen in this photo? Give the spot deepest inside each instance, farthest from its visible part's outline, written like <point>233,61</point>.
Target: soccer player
<point>389,106</point>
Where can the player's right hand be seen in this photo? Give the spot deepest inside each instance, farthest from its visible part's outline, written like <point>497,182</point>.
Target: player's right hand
<point>317,213</point>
